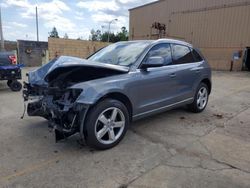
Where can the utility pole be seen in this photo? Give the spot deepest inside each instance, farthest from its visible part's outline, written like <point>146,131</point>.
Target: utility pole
<point>109,27</point>
<point>102,28</point>
<point>37,33</point>
<point>1,33</point>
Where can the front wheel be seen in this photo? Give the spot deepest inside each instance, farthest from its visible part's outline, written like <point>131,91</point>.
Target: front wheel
<point>106,124</point>
<point>15,86</point>
<point>200,99</point>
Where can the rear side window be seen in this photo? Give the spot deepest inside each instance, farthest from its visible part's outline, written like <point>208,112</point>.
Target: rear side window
<point>162,50</point>
<point>196,55</point>
<point>182,54</point>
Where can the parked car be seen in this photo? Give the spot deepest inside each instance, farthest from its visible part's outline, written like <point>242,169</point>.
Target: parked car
<point>10,71</point>
<point>98,97</point>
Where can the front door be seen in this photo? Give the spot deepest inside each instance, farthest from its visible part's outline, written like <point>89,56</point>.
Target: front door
<point>156,87</point>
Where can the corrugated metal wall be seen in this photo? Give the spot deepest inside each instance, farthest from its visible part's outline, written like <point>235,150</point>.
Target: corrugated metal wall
<point>217,26</point>
<point>193,20</point>
<point>224,27</point>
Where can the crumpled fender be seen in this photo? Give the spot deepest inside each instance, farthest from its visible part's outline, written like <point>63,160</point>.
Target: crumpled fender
<point>94,90</point>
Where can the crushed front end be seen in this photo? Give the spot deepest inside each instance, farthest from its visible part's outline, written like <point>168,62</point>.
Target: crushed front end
<point>56,105</point>
<point>51,92</point>
<point>54,100</point>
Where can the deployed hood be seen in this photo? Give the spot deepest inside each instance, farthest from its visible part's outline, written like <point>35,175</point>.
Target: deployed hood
<point>72,70</point>
<point>37,76</point>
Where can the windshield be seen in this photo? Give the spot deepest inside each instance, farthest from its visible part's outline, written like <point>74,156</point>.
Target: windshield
<point>123,53</point>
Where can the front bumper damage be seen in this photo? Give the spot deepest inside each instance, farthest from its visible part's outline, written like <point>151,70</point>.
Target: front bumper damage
<point>52,92</point>
<point>60,107</point>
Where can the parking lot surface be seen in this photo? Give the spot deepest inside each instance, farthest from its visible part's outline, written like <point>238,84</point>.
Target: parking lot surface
<point>173,149</point>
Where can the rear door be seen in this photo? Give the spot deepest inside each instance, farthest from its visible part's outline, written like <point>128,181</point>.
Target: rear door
<point>188,70</point>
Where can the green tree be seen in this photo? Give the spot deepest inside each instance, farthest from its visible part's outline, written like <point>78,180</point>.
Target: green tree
<point>123,34</point>
<point>120,36</point>
<point>95,35</point>
<point>112,37</point>
<point>54,33</point>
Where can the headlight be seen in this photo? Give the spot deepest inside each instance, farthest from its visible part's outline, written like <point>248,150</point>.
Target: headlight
<point>74,93</point>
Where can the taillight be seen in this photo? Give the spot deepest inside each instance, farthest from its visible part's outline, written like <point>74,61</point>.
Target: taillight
<point>12,59</point>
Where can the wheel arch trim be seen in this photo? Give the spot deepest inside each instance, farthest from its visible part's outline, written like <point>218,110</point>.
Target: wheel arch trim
<point>112,95</point>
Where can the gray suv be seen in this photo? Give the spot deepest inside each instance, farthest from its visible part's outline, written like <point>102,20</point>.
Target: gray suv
<point>98,97</point>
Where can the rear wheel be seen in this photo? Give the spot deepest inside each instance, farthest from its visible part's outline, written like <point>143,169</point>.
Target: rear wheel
<point>200,99</point>
<point>106,124</point>
<point>15,86</point>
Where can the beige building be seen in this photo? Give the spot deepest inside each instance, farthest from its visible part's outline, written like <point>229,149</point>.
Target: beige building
<point>71,47</point>
<point>220,28</point>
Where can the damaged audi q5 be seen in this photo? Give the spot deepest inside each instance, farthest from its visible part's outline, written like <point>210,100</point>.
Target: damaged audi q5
<point>99,96</point>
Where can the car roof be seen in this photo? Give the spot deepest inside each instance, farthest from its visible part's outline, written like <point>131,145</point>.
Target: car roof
<point>164,40</point>
<point>173,41</point>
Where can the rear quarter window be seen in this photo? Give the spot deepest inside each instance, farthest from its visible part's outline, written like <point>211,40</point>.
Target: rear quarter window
<point>182,54</point>
<point>196,55</point>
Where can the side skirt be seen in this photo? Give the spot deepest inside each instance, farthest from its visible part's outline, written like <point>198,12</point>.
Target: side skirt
<point>162,109</point>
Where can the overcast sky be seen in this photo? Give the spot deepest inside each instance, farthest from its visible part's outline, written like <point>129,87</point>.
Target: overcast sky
<point>74,17</point>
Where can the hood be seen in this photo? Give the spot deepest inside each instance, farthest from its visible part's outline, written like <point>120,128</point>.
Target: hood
<point>72,69</point>
<point>37,76</point>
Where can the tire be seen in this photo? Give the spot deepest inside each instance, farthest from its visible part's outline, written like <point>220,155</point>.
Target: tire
<point>199,104</point>
<point>99,121</point>
<point>9,82</point>
<point>15,86</point>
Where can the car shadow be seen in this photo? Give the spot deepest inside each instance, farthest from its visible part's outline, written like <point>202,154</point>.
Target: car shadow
<point>163,115</point>
<point>39,128</point>
<point>4,88</point>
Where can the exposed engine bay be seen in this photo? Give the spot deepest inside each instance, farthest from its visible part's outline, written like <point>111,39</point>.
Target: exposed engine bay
<point>49,93</point>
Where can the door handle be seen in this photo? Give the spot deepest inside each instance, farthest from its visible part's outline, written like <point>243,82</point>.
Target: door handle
<point>173,75</point>
<point>197,70</point>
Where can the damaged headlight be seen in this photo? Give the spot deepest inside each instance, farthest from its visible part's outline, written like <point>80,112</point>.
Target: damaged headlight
<point>74,94</point>
<point>66,97</point>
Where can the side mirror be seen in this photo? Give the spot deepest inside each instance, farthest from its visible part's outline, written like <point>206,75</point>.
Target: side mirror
<point>153,62</point>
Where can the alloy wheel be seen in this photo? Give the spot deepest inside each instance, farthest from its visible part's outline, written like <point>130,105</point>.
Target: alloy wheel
<point>109,125</point>
<point>202,98</point>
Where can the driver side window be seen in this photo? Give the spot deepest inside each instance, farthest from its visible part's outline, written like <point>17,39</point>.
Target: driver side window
<point>162,50</point>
